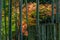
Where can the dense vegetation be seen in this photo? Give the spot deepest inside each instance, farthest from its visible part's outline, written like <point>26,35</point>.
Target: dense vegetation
<point>45,14</point>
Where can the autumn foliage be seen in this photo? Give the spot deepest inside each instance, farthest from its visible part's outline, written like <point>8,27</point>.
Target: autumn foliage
<point>45,11</point>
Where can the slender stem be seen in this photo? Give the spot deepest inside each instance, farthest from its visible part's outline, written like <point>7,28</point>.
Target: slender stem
<point>37,20</point>
<point>4,2</point>
<point>20,8</point>
<point>10,16</point>
<point>0,18</point>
